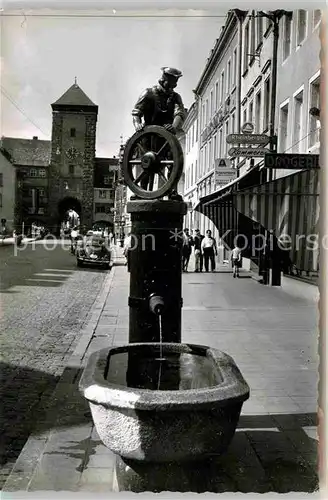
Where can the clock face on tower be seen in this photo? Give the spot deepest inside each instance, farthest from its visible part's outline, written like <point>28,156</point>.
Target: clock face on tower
<point>72,153</point>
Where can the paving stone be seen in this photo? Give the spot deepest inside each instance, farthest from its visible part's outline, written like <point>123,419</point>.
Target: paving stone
<point>97,480</point>
<point>101,460</point>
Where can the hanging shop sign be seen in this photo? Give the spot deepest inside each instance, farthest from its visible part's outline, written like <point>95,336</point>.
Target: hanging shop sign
<point>248,152</point>
<point>247,139</point>
<point>291,161</point>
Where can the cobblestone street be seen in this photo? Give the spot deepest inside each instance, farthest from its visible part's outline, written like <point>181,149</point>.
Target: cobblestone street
<point>45,301</point>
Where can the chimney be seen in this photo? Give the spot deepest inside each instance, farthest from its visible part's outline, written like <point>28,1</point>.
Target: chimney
<point>35,137</point>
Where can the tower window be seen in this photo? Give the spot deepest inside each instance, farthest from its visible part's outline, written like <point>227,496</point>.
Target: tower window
<point>71,169</point>
<point>73,132</point>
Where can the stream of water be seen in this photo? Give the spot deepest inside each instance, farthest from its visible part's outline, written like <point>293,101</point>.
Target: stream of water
<point>160,350</point>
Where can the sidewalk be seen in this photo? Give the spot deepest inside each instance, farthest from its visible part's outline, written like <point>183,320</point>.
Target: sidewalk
<point>272,336</point>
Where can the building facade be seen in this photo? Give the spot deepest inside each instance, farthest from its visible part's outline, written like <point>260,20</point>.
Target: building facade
<point>265,203</point>
<point>214,115</point>
<point>256,76</point>
<point>7,193</point>
<point>298,129</point>
<point>30,159</point>
<point>105,177</point>
<point>53,177</point>
<point>191,152</point>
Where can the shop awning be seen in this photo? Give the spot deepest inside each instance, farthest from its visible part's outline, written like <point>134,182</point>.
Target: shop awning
<point>273,203</point>
<point>220,194</point>
<point>289,206</point>
<point>219,206</point>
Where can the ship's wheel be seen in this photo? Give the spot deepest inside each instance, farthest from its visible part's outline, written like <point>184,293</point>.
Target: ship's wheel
<point>152,162</point>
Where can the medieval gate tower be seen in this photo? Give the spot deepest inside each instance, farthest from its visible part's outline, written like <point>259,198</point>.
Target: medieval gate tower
<point>73,148</point>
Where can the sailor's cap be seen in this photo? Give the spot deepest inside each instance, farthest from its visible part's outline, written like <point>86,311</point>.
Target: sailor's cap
<point>171,71</point>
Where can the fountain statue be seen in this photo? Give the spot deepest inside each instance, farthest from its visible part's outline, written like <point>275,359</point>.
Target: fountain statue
<point>163,407</point>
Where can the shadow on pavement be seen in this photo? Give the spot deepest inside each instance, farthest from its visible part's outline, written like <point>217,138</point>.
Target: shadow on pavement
<point>21,392</point>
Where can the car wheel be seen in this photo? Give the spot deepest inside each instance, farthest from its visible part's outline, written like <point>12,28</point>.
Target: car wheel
<point>79,263</point>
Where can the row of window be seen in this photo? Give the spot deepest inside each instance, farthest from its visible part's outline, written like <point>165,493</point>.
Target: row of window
<point>258,25</point>
<point>305,20</point>
<point>206,187</point>
<point>296,133</point>
<point>291,127</point>
<point>216,147</point>
<point>104,209</point>
<point>252,113</point>
<point>220,91</point>
<point>254,32</point>
<point>41,192</point>
<point>191,137</point>
<point>106,193</point>
<point>41,211</point>
<point>37,172</point>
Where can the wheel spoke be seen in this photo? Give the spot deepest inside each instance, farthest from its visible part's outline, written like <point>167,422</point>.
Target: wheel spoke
<point>151,181</point>
<point>141,148</point>
<point>162,176</point>
<point>164,145</point>
<point>167,162</point>
<point>141,177</point>
<point>135,162</point>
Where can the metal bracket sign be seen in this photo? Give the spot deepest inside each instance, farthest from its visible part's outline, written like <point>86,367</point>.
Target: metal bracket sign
<point>248,152</point>
<point>291,161</point>
<point>247,139</point>
<point>247,128</point>
<point>223,171</point>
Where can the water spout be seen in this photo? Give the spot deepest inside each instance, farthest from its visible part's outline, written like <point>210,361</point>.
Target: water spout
<point>156,304</point>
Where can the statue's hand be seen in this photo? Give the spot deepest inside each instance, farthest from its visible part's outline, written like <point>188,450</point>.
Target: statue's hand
<point>138,125</point>
<point>170,128</point>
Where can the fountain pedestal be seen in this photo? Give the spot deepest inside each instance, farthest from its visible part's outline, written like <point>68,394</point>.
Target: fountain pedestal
<point>155,263</point>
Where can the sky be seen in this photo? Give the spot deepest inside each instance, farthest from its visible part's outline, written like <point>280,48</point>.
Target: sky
<point>114,59</point>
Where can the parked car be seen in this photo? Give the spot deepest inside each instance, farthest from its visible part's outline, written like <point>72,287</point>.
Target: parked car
<point>93,251</point>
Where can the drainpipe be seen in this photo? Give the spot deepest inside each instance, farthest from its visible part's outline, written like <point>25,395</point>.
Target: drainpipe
<point>274,17</point>
<point>240,15</point>
<point>273,144</point>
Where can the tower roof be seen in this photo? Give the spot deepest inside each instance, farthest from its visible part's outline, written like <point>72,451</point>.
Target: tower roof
<point>74,96</point>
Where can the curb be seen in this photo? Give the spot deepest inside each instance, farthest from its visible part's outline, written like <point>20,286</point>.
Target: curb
<point>90,328</point>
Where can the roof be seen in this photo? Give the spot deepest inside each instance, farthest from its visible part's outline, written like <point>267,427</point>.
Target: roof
<point>218,51</point>
<point>27,151</point>
<point>74,96</point>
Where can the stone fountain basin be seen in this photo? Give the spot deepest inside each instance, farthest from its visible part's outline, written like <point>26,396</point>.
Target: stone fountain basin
<point>164,425</point>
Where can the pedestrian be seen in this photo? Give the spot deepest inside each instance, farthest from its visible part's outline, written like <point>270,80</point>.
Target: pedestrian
<point>236,260</point>
<point>186,249</point>
<point>209,250</point>
<point>198,238</point>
